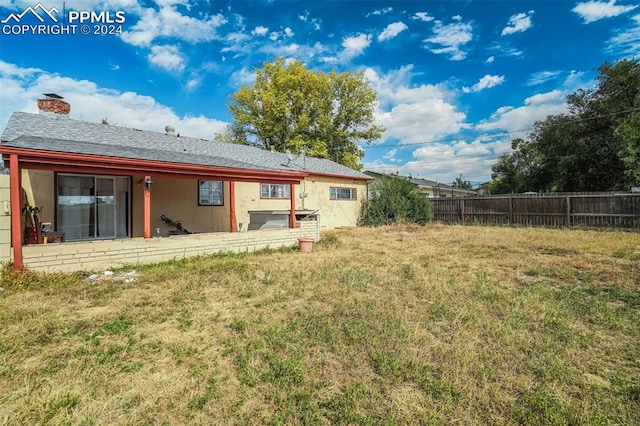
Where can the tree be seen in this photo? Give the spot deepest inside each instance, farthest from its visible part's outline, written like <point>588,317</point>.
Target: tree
<point>394,199</point>
<point>462,184</point>
<point>593,147</point>
<point>292,108</point>
<point>516,172</point>
<point>628,131</point>
<point>226,135</point>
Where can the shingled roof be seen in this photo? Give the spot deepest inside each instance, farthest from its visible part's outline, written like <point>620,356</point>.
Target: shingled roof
<point>58,134</point>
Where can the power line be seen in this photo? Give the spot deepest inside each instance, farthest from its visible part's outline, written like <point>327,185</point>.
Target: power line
<point>453,161</point>
<point>574,119</point>
<point>447,140</point>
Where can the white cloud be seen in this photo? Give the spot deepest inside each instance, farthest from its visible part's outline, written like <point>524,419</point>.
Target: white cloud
<point>292,48</point>
<point>260,30</point>
<point>173,3</point>
<point>426,114</point>
<point>89,102</point>
<point>577,80</point>
<point>237,42</point>
<point>193,83</point>
<point>542,77</point>
<point>168,58</point>
<point>423,16</point>
<point>421,120</point>
<point>168,22</point>
<point>545,98</point>
<point>444,162</point>
<point>518,23</point>
<point>286,33</point>
<point>355,46</point>
<point>449,39</point>
<point>389,155</point>
<point>303,52</point>
<point>413,113</point>
<point>392,30</point>
<point>490,59</point>
<point>592,11</point>
<point>328,59</point>
<point>626,42</point>
<point>382,11</point>
<point>315,22</point>
<point>242,77</point>
<point>535,108</point>
<point>504,49</point>
<point>486,82</point>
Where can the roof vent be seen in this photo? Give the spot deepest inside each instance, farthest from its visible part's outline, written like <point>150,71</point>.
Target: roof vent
<point>53,105</point>
<point>170,130</point>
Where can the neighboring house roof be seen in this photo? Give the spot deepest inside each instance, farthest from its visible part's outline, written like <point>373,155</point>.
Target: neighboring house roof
<point>59,134</point>
<point>424,183</point>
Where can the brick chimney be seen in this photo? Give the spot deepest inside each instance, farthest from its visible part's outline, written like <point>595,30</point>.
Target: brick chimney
<point>53,104</point>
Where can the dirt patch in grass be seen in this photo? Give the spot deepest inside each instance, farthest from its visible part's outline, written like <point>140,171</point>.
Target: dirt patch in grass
<point>395,325</point>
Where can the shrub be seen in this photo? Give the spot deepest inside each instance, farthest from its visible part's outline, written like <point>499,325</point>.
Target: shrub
<point>393,199</point>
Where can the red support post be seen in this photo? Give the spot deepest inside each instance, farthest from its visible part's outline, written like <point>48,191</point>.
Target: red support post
<point>293,204</point>
<point>232,206</point>
<point>147,208</point>
<point>16,211</point>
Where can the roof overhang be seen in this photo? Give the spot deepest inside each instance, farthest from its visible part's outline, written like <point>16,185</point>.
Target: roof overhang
<point>97,164</point>
<point>345,177</point>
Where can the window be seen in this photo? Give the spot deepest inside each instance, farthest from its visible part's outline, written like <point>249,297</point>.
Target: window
<point>210,193</point>
<point>272,190</point>
<point>343,193</point>
<point>92,207</point>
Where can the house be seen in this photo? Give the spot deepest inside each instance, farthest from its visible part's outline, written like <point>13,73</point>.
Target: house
<point>430,189</point>
<point>97,182</point>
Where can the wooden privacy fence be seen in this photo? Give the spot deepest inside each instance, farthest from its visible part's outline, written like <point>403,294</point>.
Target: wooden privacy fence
<point>589,210</point>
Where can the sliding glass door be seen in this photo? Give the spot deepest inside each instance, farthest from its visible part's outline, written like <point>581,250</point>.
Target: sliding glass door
<point>93,207</point>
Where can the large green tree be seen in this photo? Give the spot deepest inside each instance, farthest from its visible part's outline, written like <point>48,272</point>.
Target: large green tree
<point>595,146</point>
<point>290,107</point>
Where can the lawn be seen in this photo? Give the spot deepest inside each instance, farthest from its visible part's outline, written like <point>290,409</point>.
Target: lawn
<point>395,325</point>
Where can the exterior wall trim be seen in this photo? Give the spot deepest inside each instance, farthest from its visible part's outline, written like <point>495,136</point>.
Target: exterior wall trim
<point>96,164</point>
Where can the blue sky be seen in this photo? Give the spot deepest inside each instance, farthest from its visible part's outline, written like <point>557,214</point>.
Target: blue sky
<point>456,80</point>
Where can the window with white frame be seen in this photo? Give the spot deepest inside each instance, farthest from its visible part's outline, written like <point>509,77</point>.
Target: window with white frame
<point>210,193</point>
<point>337,193</point>
<point>274,190</point>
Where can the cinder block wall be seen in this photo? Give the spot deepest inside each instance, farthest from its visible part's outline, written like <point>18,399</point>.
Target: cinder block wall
<point>101,255</point>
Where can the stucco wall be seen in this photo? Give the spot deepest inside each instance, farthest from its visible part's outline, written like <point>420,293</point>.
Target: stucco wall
<point>178,200</point>
<point>5,219</point>
<point>100,255</point>
<point>333,213</point>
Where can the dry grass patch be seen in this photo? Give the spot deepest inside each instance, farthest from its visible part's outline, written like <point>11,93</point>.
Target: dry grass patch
<point>394,325</point>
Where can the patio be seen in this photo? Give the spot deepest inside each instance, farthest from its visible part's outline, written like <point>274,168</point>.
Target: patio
<point>99,255</point>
